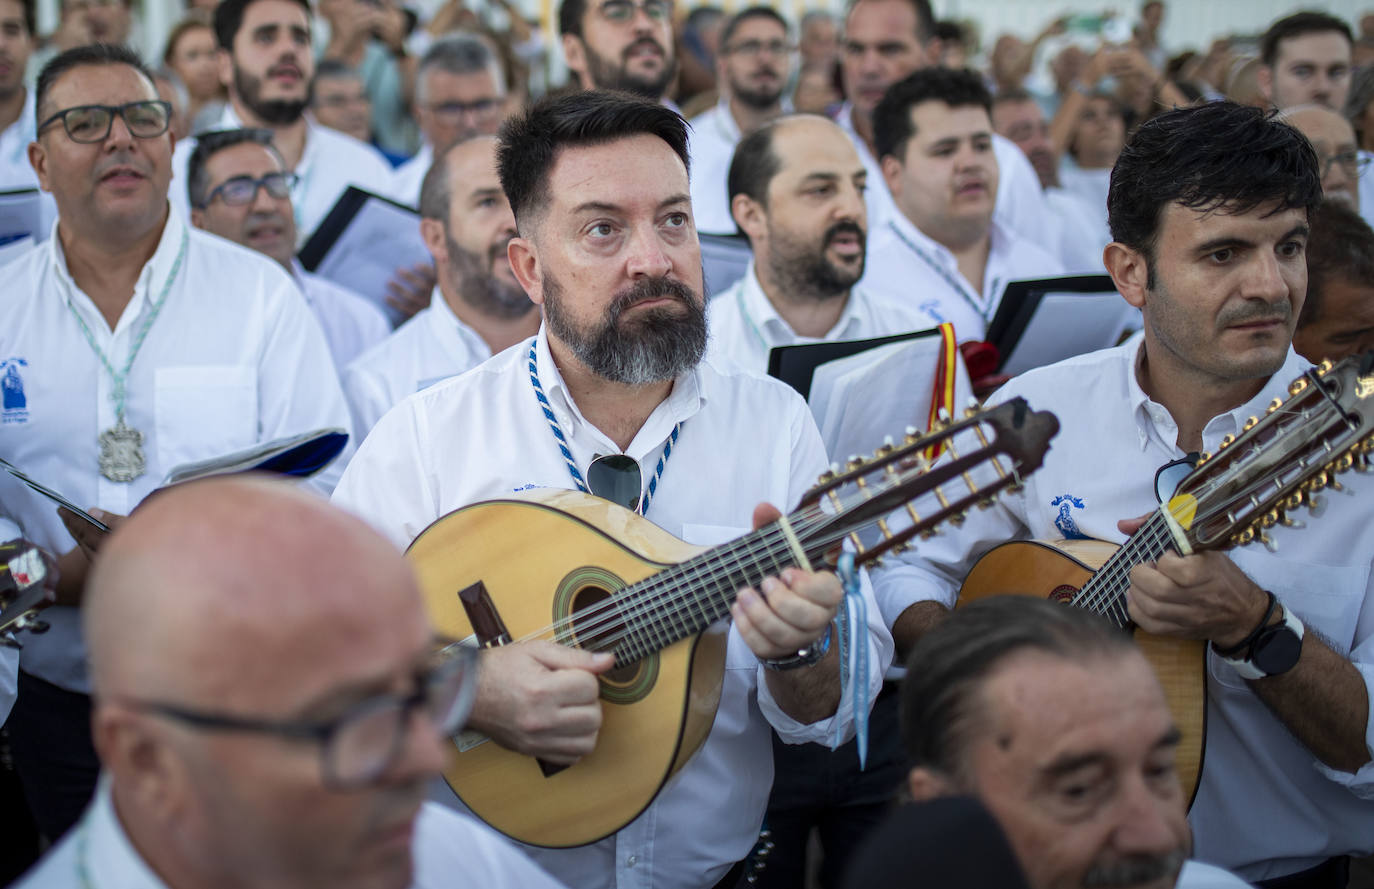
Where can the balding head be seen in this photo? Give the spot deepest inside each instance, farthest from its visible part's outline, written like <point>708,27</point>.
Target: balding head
<point>219,610</point>
<point>1334,140</point>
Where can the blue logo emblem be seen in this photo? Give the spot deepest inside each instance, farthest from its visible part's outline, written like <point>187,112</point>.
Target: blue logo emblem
<point>15,404</point>
<point>932,308</point>
<point>1064,521</point>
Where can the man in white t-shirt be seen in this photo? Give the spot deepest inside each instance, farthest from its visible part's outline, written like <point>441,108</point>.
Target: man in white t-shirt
<point>266,61</point>
<point>944,250</point>
<point>240,190</point>
<point>598,184</point>
<point>752,67</point>
<point>135,344</point>
<point>477,309</point>
<point>257,725</point>
<point>797,188</point>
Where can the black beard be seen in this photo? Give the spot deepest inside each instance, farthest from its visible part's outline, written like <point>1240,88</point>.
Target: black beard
<point>481,289</point>
<point>609,76</point>
<point>811,275</point>
<point>275,112</point>
<point>757,99</point>
<point>658,346</point>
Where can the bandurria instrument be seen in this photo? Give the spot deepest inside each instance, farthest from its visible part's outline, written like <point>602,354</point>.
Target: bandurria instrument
<point>1274,466</point>
<point>603,578</point>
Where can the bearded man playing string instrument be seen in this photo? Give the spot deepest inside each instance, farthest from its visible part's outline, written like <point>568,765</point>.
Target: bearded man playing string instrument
<point>136,344</point>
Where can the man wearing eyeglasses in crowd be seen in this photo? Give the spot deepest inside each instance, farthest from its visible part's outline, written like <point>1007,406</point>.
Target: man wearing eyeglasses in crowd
<point>620,45</point>
<point>752,68</point>
<point>1337,151</point>
<point>1210,245</point>
<point>257,723</point>
<point>614,389</point>
<point>133,344</point>
<point>240,190</point>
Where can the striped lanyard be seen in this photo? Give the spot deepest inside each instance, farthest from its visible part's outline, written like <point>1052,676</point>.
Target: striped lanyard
<point>562,440</point>
<point>959,286</point>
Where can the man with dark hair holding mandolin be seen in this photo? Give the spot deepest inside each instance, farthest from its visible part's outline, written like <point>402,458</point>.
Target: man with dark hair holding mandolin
<point>608,250</point>
<point>1210,244</point>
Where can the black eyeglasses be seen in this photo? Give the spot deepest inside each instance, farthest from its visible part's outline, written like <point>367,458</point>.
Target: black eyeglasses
<point>243,190</point>
<point>482,109</point>
<point>752,48</point>
<point>91,123</point>
<point>359,746</point>
<point>616,477</point>
<point>1352,162</point>
<point>1169,476</point>
<point>621,11</point>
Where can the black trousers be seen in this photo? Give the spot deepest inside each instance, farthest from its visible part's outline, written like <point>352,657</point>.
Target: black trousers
<point>50,739</point>
<point>1334,873</point>
<point>815,787</point>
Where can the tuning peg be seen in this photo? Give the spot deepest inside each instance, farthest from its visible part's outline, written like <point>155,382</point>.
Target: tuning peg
<point>958,518</point>
<point>1344,463</point>
<point>942,415</point>
<point>826,476</point>
<point>32,624</point>
<point>987,503</point>
<point>1313,500</point>
<point>1325,367</point>
<point>1274,405</point>
<point>1293,501</point>
<point>929,533</point>
<point>888,447</point>
<point>1268,543</point>
<point>1270,518</point>
<point>1243,537</point>
<point>1297,386</point>
<point>1203,457</point>
<point>1250,423</point>
<point>1228,438</point>
<point>854,462</point>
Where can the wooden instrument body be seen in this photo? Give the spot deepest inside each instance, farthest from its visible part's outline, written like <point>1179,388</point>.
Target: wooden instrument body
<point>1057,570</point>
<point>538,564</point>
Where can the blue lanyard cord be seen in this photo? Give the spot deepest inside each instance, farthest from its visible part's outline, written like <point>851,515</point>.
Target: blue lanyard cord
<point>561,440</point>
<point>959,286</point>
<point>852,621</point>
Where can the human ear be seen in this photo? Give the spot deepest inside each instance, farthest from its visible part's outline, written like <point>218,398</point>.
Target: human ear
<point>1129,270</point>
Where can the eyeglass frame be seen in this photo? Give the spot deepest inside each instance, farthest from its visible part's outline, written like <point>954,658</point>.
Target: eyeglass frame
<point>634,7</point>
<point>756,48</point>
<point>477,109</point>
<point>259,183</point>
<point>1188,460</point>
<point>1352,161</point>
<point>452,656</point>
<point>113,110</point>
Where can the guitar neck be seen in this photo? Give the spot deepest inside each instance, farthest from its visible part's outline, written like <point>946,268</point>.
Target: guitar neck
<point>1105,592</point>
<point>685,599</point>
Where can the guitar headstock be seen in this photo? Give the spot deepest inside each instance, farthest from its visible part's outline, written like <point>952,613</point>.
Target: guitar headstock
<point>910,489</point>
<point>28,584</point>
<point>1280,461</point>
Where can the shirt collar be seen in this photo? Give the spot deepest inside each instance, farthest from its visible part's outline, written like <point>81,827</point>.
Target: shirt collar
<point>109,856</point>
<point>151,280</point>
<point>761,312</point>
<point>446,323</point>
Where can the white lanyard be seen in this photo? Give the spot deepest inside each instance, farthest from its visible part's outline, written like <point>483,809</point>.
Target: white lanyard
<point>959,286</point>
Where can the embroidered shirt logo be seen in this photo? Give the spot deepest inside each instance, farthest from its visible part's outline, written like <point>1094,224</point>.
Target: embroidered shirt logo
<point>1064,521</point>
<point>15,403</point>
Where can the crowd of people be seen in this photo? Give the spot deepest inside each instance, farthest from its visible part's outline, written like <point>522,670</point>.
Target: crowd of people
<point>238,683</point>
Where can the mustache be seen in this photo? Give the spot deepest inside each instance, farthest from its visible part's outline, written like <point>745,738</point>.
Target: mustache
<point>1249,312</point>
<point>641,43</point>
<point>123,159</point>
<point>649,288</point>
<point>1134,871</point>
<point>846,228</point>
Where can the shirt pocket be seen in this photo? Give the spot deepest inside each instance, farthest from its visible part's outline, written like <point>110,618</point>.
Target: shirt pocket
<point>738,655</point>
<point>1326,598</point>
<point>205,411</point>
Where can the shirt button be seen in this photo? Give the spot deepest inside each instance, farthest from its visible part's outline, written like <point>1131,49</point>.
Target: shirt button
<point>632,861</point>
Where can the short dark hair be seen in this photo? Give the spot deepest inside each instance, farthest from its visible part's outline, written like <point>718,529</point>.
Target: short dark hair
<point>78,56</point>
<point>1013,94</point>
<point>180,29</point>
<point>327,68</point>
<point>1190,156</point>
<point>753,12</point>
<point>212,143</point>
<point>754,164</point>
<point>229,18</point>
<point>892,125</point>
<point>530,142</point>
<point>30,16</point>
<point>925,17</point>
<point>1296,25</point>
<point>570,13</point>
<point>460,52</point>
<point>1359,98</point>
<point>947,668</point>
<point>1340,248</point>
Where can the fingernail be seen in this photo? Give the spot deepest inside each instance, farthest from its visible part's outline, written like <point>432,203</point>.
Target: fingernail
<point>770,584</point>
<point>747,596</point>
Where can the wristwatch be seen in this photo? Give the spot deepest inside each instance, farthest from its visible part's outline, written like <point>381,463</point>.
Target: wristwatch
<point>804,657</point>
<point>1275,649</point>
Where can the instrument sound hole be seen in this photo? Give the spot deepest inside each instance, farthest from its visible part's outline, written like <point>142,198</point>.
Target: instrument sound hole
<point>597,627</point>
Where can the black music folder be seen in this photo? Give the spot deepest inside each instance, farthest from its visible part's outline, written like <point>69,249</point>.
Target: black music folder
<point>1045,320</point>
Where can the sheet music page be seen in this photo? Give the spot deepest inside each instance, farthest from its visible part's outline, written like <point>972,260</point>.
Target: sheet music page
<point>379,239</point>
<point>1069,324</point>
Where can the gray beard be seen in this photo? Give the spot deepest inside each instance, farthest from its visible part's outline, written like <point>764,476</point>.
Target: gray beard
<point>658,346</point>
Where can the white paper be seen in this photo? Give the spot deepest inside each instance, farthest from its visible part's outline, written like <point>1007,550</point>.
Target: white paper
<point>380,239</point>
<point>1069,324</point>
<point>23,214</point>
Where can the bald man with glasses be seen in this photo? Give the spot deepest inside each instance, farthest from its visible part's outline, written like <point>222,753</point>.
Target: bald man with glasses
<point>132,343</point>
<point>257,724</point>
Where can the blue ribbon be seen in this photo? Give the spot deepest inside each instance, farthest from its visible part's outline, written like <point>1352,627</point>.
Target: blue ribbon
<point>852,620</point>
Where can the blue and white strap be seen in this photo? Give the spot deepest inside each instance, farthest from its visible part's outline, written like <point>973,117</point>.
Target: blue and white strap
<point>852,622</point>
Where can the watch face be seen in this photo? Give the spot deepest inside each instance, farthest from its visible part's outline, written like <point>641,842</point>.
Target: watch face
<point>1277,650</point>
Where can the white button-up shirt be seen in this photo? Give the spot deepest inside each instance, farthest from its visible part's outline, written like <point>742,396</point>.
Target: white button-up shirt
<point>1266,807</point>
<point>1083,232</point>
<point>409,176</point>
<point>1020,205</point>
<point>744,439</point>
<point>745,326</point>
<point>233,359</point>
<point>98,854</point>
<point>906,264</point>
<point>430,347</point>
<point>351,324</point>
<point>330,163</point>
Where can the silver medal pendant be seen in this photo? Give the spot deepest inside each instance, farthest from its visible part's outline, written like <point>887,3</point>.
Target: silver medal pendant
<point>121,453</point>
